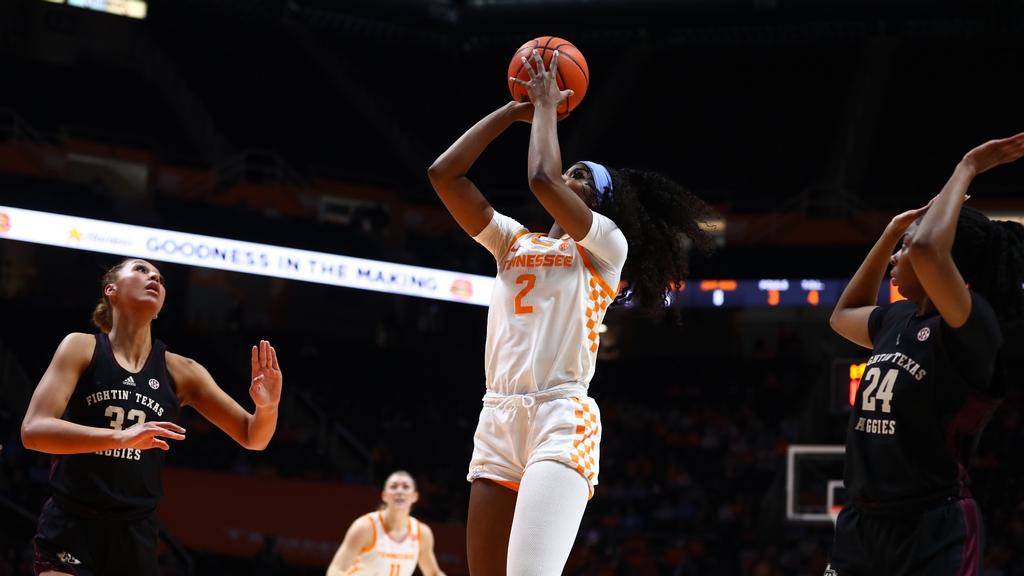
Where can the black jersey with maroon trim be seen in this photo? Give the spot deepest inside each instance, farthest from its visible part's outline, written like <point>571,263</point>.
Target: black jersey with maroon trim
<point>120,483</point>
<point>922,402</point>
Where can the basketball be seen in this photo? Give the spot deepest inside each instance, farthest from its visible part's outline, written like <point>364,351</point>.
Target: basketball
<point>573,73</point>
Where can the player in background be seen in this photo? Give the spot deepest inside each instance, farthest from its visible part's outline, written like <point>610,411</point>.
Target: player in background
<point>536,448</point>
<point>105,408</point>
<point>934,377</point>
<point>388,542</point>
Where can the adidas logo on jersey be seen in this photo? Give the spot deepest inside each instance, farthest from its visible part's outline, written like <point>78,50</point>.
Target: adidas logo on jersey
<point>67,558</point>
<point>129,381</point>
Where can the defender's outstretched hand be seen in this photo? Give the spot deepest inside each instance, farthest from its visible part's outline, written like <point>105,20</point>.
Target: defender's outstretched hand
<point>899,224</point>
<point>266,376</point>
<point>995,152</point>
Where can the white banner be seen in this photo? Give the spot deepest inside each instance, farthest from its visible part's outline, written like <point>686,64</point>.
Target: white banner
<point>130,8</point>
<point>248,257</point>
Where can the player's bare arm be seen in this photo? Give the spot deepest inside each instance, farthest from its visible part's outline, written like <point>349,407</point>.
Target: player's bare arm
<point>930,248</point>
<point>544,164</point>
<point>427,560</point>
<point>448,174</point>
<point>850,317</point>
<point>197,388</point>
<point>358,537</point>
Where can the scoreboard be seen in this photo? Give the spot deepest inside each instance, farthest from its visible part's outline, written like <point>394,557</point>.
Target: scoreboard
<point>768,292</point>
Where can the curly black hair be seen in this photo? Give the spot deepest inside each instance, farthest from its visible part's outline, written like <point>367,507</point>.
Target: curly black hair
<point>990,256</point>
<point>657,216</point>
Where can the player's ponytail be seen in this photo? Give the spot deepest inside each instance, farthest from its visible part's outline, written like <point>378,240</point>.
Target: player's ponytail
<point>103,314</point>
<point>990,256</point>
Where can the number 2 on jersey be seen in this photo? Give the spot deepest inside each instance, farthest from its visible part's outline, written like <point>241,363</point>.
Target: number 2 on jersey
<point>530,280</point>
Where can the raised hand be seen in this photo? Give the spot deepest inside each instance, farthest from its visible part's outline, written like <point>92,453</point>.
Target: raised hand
<point>149,435</point>
<point>901,222</point>
<point>543,85</point>
<point>265,389</point>
<point>995,152</point>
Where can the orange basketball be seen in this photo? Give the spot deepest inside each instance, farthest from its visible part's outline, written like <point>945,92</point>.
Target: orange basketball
<point>573,73</point>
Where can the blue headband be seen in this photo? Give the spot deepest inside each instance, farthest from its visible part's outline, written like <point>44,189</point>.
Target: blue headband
<point>602,179</point>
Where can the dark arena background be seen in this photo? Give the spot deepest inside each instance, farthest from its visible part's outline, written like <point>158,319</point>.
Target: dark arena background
<point>304,128</point>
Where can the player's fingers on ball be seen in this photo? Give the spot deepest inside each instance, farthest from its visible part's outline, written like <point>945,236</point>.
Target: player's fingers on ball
<point>538,63</point>
<point>529,67</point>
<point>538,60</point>
<point>554,63</point>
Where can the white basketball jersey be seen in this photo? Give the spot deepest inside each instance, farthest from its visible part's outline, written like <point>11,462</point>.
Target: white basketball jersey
<point>550,297</point>
<point>387,557</point>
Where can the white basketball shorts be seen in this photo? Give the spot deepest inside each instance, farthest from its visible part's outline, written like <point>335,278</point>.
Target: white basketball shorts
<point>514,431</point>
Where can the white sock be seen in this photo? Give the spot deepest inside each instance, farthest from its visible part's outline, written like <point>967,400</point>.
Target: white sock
<point>550,505</point>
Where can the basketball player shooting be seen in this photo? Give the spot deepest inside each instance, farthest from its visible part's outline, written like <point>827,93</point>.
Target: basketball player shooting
<point>536,453</point>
